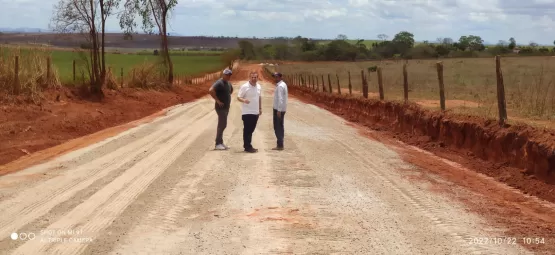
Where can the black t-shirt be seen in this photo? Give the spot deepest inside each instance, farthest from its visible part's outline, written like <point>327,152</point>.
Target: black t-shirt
<point>223,93</point>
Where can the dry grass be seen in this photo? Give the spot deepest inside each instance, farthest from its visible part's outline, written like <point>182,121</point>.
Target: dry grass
<point>32,75</point>
<point>145,76</point>
<point>529,82</point>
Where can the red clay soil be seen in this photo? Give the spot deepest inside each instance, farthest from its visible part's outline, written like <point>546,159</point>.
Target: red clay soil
<point>33,133</point>
<point>522,216</point>
<point>28,128</point>
<point>521,156</point>
<point>478,146</point>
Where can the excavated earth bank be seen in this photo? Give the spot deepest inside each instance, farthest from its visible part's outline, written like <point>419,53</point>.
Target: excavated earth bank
<point>521,156</point>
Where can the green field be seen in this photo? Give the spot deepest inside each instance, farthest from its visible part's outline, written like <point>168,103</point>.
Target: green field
<point>185,52</point>
<point>183,65</point>
<point>63,62</point>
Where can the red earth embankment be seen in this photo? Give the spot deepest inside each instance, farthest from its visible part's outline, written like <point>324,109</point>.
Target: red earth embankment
<point>522,157</point>
<point>63,116</point>
<point>65,120</point>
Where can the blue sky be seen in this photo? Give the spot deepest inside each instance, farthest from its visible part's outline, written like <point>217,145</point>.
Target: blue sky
<point>494,20</point>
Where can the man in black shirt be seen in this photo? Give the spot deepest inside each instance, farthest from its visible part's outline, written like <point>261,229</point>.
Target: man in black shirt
<point>221,91</point>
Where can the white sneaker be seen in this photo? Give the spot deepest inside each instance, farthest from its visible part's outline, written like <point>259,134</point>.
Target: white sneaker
<point>220,147</point>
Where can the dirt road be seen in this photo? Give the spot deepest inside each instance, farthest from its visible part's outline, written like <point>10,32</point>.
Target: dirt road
<point>160,188</point>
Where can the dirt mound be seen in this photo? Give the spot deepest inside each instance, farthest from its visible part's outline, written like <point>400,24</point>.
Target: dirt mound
<point>520,156</point>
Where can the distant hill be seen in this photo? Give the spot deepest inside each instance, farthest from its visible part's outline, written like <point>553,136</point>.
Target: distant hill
<point>139,41</point>
<point>22,30</point>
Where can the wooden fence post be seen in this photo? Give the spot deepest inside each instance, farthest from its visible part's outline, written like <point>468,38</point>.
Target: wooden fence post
<point>48,68</point>
<point>323,84</point>
<point>364,85</point>
<point>16,73</point>
<point>441,85</point>
<point>338,85</point>
<point>314,87</point>
<point>329,83</point>
<point>74,76</point>
<point>350,85</point>
<point>380,83</point>
<point>500,92</point>
<point>317,84</point>
<point>405,82</point>
<point>121,76</point>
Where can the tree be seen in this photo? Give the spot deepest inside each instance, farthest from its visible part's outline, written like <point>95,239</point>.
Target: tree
<point>445,41</point>
<point>402,43</point>
<point>405,38</point>
<point>153,13</point>
<point>382,37</point>
<point>247,50</point>
<point>230,55</point>
<point>471,42</point>
<point>502,43</point>
<point>533,44</point>
<point>82,16</point>
<point>512,43</point>
<point>341,37</point>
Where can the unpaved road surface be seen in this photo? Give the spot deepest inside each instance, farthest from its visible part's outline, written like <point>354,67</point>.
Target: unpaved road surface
<point>160,188</point>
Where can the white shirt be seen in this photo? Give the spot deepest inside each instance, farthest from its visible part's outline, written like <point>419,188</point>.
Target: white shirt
<point>251,93</point>
<point>280,97</point>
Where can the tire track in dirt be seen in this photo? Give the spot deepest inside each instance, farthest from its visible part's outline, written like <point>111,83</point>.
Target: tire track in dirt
<point>436,215</point>
<point>330,191</point>
<point>205,223</point>
<point>75,158</point>
<point>74,147</point>
<point>119,193</point>
<point>161,221</point>
<point>204,215</point>
<point>19,211</point>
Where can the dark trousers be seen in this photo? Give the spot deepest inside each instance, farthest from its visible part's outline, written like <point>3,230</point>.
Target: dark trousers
<point>249,124</point>
<point>278,128</point>
<point>222,124</point>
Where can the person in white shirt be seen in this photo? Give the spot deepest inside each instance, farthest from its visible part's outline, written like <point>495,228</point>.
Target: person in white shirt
<point>280,107</point>
<point>250,94</point>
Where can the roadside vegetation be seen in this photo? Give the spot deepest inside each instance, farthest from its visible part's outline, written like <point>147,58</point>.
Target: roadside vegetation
<point>401,46</point>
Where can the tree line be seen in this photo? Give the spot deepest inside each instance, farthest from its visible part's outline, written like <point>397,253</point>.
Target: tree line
<point>402,45</point>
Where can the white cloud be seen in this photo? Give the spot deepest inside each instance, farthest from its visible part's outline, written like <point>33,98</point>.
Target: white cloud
<point>427,19</point>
